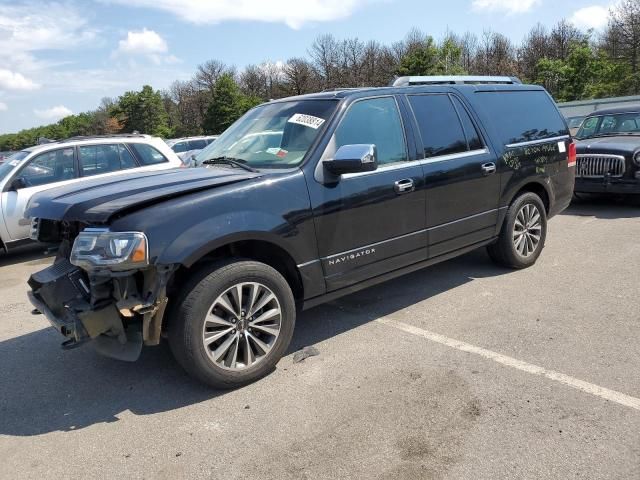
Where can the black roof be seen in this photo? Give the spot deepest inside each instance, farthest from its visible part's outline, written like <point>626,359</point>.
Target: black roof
<point>634,108</point>
<point>368,91</point>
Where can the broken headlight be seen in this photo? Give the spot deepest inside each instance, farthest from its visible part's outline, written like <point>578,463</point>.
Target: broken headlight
<point>98,248</point>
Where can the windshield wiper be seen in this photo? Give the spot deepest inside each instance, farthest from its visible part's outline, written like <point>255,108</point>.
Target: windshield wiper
<point>236,162</point>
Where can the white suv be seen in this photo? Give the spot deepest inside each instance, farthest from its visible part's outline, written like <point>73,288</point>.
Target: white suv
<point>71,161</point>
<point>186,147</point>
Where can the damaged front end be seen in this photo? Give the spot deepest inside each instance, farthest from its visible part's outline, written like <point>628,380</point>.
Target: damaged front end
<point>105,291</point>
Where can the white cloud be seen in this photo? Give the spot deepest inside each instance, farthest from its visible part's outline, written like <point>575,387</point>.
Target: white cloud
<point>3,107</point>
<point>147,43</point>
<point>15,81</point>
<point>508,6</point>
<point>34,26</point>
<point>595,16</point>
<point>293,13</point>
<point>53,113</point>
<point>143,42</point>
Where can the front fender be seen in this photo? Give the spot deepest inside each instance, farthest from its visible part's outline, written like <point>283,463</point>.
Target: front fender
<point>215,232</point>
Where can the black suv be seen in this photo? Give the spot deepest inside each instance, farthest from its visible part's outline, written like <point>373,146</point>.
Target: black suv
<point>304,199</point>
<point>608,151</point>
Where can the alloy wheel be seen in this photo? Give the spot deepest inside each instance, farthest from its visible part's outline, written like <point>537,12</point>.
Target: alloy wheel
<point>242,326</point>
<point>527,230</point>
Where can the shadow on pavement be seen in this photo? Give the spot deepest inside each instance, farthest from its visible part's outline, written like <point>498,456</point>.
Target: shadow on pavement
<point>605,206</point>
<point>44,389</point>
<point>35,254</point>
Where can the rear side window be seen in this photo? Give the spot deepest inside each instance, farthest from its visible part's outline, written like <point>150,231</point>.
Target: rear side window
<point>180,147</point>
<point>147,154</point>
<point>522,116</point>
<point>440,127</point>
<point>197,144</point>
<point>470,131</point>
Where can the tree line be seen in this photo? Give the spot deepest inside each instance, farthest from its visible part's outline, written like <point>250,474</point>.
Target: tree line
<point>570,63</point>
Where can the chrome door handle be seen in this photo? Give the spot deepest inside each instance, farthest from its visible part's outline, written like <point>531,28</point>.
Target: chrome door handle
<point>404,186</point>
<point>489,168</point>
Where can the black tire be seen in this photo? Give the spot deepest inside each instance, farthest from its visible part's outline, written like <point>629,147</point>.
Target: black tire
<point>504,251</point>
<point>186,325</point>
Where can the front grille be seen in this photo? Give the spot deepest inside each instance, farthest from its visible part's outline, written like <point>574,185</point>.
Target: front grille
<point>597,166</point>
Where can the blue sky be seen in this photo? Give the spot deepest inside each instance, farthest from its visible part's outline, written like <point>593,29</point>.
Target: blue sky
<point>63,56</point>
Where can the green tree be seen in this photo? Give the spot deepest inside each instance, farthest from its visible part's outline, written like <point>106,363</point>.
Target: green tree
<point>227,105</point>
<point>142,111</point>
<point>422,59</point>
<point>428,58</point>
<point>585,73</point>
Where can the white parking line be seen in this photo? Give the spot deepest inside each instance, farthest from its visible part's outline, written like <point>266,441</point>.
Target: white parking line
<point>581,385</point>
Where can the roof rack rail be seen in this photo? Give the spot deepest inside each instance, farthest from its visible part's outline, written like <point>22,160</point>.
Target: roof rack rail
<point>113,135</point>
<point>341,89</point>
<point>454,80</point>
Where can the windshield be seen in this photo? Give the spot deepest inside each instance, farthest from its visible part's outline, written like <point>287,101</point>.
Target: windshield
<point>574,122</point>
<point>617,124</point>
<point>11,163</point>
<point>274,135</point>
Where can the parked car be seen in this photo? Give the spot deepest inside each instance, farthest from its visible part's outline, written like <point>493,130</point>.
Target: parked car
<point>365,185</point>
<point>5,155</point>
<point>255,141</point>
<point>574,124</point>
<point>608,150</point>
<point>70,162</point>
<point>186,147</point>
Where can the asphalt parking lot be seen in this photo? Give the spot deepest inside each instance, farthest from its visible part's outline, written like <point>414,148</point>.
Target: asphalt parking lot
<point>460,371</point>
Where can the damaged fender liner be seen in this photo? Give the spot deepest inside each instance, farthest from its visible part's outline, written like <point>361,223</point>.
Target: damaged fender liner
<point>118,323</point>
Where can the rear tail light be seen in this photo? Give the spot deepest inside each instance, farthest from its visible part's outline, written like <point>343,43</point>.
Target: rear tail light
<point>572,156</point>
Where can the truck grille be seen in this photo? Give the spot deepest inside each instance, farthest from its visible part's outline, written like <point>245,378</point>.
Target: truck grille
<point>597,166</point>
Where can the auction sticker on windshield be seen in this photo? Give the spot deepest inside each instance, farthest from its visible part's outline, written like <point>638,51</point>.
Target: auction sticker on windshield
<point>307,120</point>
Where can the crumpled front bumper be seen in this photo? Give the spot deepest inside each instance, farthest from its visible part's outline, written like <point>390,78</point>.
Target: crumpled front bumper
<point>54,293</point>
<point>62,294</point>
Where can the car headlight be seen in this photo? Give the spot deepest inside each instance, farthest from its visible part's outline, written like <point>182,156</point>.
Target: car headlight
<point>97,248</point>
<point>636,158</point>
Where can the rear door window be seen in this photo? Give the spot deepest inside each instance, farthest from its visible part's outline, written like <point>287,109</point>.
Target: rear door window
<point>147,154</point>
<point>197,144</point>
<point>99,159</point>
<point>521,116</point>
<point>126,158</point>
<point>440,127</point>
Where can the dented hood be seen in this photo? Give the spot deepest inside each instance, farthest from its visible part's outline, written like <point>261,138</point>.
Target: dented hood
<point>98,200</point>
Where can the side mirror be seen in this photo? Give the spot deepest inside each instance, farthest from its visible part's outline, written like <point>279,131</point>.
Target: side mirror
<point>17,183</point>
<point>353,159</point>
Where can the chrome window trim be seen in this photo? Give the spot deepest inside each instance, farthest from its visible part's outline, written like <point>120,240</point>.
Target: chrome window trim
<point>453,156</point>
<point>421,161</point>
<point>538,142</point>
